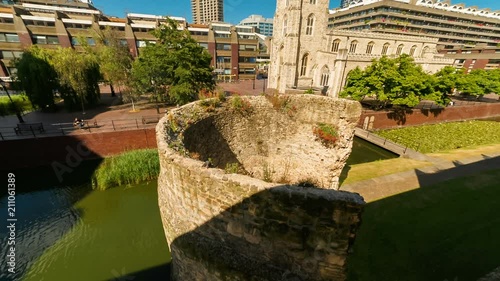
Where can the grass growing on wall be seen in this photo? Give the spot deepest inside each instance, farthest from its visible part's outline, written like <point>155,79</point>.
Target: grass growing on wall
<point>446,136</point>
<point>131,167</point>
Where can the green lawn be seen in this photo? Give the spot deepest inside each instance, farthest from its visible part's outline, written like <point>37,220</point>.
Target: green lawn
<point>446,136</point>
<point>449,231</point>
<point>21,101</point>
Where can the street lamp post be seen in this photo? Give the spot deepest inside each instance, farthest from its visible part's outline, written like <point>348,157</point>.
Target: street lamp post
<point>18,114</point>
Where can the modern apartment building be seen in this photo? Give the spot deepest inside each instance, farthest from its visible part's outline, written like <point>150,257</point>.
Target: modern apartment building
<point>264,26</point>
<point>469,35</point>
<point>234,48</point>
<point>206,11</point>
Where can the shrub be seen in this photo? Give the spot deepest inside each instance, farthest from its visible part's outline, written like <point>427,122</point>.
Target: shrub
<point>129,168</point>
<point>241,105</point>
<point>282,103</point>
<point>232,168</point>
<point>326,133</point>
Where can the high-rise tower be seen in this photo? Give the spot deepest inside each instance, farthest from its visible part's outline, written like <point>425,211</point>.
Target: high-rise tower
<point>205,11</point>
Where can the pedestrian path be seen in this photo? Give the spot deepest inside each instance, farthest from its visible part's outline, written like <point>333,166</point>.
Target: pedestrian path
<point>441,170</point>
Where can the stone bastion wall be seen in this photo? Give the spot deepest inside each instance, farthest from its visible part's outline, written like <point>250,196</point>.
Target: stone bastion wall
<point>279,217</point>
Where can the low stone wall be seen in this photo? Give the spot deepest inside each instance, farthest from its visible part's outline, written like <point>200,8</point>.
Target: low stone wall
<point>239,227</point>
<point>389,119</point>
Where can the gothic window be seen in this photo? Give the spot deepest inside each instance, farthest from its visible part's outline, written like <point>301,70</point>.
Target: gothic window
<point>412,50</point>
<point>352,48</point>
<point>325,76</point>
<point>369,47</point>
<point>424,50</point>
<point>384,49</point>
<point>399,50</point>
<point>287,2</point>
<point>335,45</point>
<point>310,25</point>
<point>303,66</point>
<point>312,2</point>
<point>285,25</point>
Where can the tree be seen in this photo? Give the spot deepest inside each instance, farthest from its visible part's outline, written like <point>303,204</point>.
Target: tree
<point>114,57</point>
<point>175,67</point>
<point>78,76</point>
<point>37,77</point>
<point>480,82</point>
<point>397,81</point>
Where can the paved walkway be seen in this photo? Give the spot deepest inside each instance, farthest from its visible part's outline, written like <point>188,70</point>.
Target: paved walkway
<point>442,170</point>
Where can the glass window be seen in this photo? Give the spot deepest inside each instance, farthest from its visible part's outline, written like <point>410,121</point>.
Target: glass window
<point>54,40</point>
<point>325,76</point>
<point>335,45</point>
<point>399,49</point>
<point>354,45</point>
<point>12,37</point>
<point>412,50</point>
<point>40,39</point>
<point>310,25</point>
<point>247,59</point>
<point>204,45</point>
<point>369,47</point>
<point>225,47</point>
<point>385,48</point>
<point>303,66</point>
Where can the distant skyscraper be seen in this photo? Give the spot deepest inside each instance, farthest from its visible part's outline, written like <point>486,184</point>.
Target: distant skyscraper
<point>205,11</point>
<point>264,26</point>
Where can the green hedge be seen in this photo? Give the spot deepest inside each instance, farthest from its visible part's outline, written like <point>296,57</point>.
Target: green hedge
<point>22,103</point>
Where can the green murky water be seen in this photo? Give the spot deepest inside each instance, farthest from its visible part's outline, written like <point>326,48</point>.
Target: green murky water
<point>75,233</point>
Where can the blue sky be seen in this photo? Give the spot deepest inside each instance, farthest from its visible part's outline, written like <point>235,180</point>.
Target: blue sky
<point>234,10</point>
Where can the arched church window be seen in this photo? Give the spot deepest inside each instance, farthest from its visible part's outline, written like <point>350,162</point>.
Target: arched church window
<point>303,66</point>
<point>412,50</point>
<point>312,2</point>
<point>325,76</point>
<point>310,25</point>
<point>424,50</point>
<point>384,49</point>
<point>354,45</point>
<point>369,47</point>
<point>399,50</point>
<point>335,45</point>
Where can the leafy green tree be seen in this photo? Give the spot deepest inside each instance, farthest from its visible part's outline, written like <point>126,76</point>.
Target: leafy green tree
<point>397,81</point>
<point>176,67</point>
<point>37,77</point>
<point>115,60</point>
<point>78,76</point>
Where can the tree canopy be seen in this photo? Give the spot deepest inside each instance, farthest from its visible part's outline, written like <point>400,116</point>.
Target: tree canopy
<point>37,77</point>
<point>397,81</point>
<point>176,67</point>
<point>400,81</point>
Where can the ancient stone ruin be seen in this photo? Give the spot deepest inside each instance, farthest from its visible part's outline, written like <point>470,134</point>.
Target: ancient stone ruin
<point>247,188</point>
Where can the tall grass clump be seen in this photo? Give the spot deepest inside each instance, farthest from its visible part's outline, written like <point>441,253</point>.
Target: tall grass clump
<point>129,168</point>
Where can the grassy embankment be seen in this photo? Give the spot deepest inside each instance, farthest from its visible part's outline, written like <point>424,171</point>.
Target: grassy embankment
<point>448,141</point>
<point>21,101</point>
<point>447,231</point>
<point>131,167</point>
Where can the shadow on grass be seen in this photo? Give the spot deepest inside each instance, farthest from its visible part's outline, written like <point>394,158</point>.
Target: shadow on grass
<point>445,231</point>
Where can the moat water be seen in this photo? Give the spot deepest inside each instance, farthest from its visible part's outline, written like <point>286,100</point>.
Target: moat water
<point>75,233</point>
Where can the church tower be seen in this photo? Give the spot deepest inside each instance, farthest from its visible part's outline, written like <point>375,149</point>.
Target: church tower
<point>299,33</point>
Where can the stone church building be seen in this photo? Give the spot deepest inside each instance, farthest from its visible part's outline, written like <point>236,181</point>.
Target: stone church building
<point>306,54</point>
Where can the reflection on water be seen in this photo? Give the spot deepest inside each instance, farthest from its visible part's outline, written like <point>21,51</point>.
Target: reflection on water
<point>74,233</point>
<point>363,152</point>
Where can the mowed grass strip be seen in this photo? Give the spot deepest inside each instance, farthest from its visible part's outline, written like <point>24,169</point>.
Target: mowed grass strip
<point>364,171</point>
<point>129,168</point>
<point>448,231</point>
<point>21,101</point>
<point>446,136</point>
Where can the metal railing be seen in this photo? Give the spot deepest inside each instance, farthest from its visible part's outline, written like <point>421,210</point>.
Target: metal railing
<point>90,126</point>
